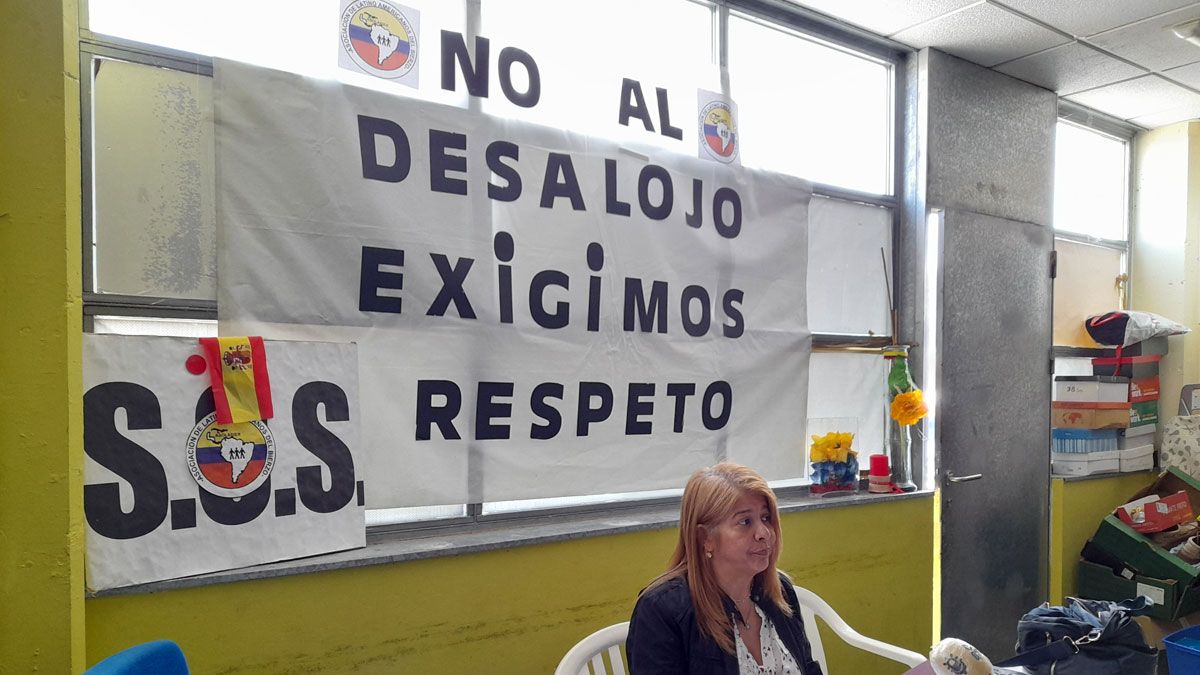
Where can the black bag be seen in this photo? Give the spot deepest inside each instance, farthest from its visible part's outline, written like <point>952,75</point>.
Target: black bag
<point>1084,637</point>
<point>1107,329</point>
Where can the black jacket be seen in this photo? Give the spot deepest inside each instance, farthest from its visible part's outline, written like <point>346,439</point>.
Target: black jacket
<point>664,637</point>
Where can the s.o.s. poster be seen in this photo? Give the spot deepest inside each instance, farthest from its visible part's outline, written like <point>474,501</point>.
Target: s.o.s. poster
<point>170,492</point>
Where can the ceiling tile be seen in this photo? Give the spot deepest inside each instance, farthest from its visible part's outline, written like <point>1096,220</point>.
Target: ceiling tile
<point>1189,75</point>
<point>1088,17</point>
<point>1171,116</point>
<point>885,16</point>
<point>984,34</point>
<point>1070,68</point>
<point>1151,43</point>
<point>1138,97</point>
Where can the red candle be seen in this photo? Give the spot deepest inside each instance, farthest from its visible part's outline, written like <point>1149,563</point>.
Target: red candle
<point>879,466</point>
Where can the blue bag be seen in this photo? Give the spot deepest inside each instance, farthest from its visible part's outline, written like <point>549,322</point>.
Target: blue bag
<point>1084,637</point>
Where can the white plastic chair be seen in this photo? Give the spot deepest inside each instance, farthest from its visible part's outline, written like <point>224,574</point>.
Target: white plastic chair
<point>811,606</point>
<point>591,648</point>
<point>612,638</point>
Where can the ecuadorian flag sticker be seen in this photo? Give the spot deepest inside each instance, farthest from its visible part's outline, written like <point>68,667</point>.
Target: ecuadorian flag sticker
<point>240,386</point>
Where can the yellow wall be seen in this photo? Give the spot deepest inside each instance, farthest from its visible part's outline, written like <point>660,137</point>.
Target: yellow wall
<point>1085,285</point>
<point>1076,509</point>
<point>41,524</point>
<point>518,610</point>
<point>1165,263</point>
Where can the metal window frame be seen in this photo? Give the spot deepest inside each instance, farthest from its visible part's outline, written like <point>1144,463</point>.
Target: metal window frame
<point>92,50</point>
<point>1105,125</point>
<point>790,17</point>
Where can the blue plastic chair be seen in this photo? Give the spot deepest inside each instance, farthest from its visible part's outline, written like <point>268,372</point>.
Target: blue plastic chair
<point>160,657</point>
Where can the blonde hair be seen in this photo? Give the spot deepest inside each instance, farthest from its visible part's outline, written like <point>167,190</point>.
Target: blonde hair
<point>710,497</point>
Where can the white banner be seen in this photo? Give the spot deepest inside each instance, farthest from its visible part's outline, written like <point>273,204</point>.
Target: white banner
<point>156,464</point>
<point>538,313</point>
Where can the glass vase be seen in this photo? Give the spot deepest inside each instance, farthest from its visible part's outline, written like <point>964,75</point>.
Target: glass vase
<point>834,477</point>
<point>831,477</point>
<point>899,436</point>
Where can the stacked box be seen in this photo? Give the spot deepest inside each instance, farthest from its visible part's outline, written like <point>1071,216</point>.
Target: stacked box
<point>1119,562</point>
<point>1082,452</point>
<point>1087,415</point>
<point>1133,367</point>
<point>1139,458</point>
<point>1091,389</point>
<point>1117,402</point>
<point>1148,347</point>
<point>1087,411</point>
<point>1076,441</point>
<point>1136,442</point>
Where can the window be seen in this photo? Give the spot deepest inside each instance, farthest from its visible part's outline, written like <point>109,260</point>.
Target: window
<point>1091,183</point>
<point>1091,187</point>
<point>270,33</point>
<point>828,116</point>
<point>811,109</point>
<point>583,70</point>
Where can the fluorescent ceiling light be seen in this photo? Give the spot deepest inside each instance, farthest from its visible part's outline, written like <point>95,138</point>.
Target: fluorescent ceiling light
<point>1189,30</point>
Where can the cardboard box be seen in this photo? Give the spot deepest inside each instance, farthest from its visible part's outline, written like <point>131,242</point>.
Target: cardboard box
<point>1084,463</point>
<point>1145,389</point>
<point>1083,440</point>
<point>1136,436</point>
<point>1139,458</point>
<point>1140,553</point>
<point>1153,513</point>
<point>1150,347</point>
<point>1172,598</point>
<point>1142,413</point>
<point>1137,551</point>
<point>1135,367</point>
<point>1073,415</point>
<point>1155,630</point>
<point>1091,388</point>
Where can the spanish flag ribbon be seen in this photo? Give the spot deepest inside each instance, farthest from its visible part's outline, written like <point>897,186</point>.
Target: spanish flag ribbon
<point>240,386</point>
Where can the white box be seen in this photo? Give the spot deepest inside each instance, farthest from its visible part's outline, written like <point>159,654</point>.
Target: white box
<point>1142,434</point>
<point>1085,463</point>
<point>1140,458</point>
<point>1091,389</point>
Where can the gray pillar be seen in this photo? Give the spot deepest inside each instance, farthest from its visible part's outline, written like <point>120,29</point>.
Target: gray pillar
<point>979,150</point>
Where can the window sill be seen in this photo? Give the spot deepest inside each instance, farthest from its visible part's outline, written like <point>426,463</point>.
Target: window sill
<point>434,542</point>
<point>1108,474</point>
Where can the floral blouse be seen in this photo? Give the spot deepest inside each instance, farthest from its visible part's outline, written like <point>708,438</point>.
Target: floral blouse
<point>776,659</point>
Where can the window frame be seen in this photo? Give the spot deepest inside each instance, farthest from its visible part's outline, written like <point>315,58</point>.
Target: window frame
<point>791,18</point>
<point>1104,125</point>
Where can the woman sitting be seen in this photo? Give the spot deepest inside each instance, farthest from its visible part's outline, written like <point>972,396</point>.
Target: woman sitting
<point>722,607</point>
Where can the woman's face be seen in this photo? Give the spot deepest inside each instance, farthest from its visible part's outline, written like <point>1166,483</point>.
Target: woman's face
<point>741,544</point>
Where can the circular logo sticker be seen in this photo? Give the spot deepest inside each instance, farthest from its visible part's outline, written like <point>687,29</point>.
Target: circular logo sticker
<point>379,38</point>
<point>230,460</point>
<point>718,131</point>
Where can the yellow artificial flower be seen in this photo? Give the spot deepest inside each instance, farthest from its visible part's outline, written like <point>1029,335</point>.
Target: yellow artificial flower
<point>832,447</point>
<point>909,407</point>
